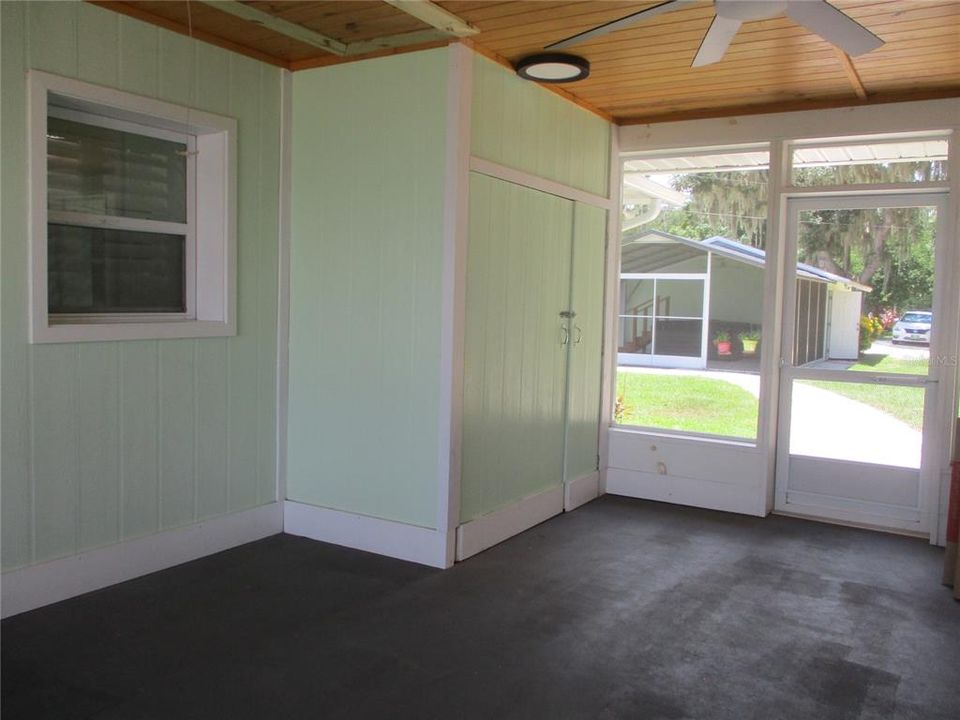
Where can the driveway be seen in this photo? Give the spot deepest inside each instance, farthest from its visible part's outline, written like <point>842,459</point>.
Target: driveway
<point>825,424</point>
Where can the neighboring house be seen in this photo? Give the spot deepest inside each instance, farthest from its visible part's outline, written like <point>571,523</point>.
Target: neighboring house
<point>677,294</point>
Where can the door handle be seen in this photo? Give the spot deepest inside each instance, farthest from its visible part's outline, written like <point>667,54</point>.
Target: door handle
<point>579,335</point>
<point>566,335</point>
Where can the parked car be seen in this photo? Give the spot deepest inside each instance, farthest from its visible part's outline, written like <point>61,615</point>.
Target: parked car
<point>913,327</point>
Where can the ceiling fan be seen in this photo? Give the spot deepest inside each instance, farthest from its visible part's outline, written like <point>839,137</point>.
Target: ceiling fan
<point>818,16</point>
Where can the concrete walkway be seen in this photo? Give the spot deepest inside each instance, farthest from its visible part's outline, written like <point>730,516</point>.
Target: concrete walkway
<point>827,425</point>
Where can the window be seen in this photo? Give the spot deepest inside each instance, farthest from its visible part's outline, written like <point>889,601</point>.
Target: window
<point>691,295</point>
<point>132,226</point>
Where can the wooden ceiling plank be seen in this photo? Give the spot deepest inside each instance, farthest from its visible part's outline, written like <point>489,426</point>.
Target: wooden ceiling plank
<point>618,76</point>
<point>435,16</point>
<point>527,35</point>
<point>130,10</point>
<point>638,118</point>
<point>735,89</point>
<point>570,15</point>
<point>277,24</point>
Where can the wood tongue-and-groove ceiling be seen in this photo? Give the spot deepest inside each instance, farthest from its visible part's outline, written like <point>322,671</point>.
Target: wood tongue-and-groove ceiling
<point>639,74</point>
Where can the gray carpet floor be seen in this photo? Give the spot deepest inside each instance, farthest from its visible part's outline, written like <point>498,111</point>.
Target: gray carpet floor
<point>621,609</point>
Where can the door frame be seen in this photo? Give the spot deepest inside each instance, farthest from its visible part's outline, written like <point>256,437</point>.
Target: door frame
<point>937,415</point>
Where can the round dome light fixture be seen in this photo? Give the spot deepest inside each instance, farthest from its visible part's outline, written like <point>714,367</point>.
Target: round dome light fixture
<point>553,68</point>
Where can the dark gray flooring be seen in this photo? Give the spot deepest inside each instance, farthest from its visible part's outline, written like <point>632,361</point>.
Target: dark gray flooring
<point>622,609</point>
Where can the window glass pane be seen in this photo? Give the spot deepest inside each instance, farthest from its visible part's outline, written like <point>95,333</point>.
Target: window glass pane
<point>94,270</point>
<point>681,338</point>
<point>98,170</point>
<point>636,297</point>
<point>694,365</point>
<point>907,161</point>
<point>680,298</point>
<point>636,335</point>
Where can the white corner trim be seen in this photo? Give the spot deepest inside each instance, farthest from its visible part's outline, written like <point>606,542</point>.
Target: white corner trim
<point>525,179</point>
<point>284,219</point>
<point>453,298</point>
<point>489,530</point>
<point>362,532</point>
<point>581,490</point>
<point>38,585</point>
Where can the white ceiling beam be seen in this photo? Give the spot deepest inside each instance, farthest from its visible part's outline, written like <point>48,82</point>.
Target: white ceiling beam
<point>279,25</point>
<point>435,16</point>
<point>417,37</point>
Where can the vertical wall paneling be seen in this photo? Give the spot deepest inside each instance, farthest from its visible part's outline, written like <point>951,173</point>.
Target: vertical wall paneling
<point>54,451</point>
<point>98,41</point>
<point>242,353</point>
<point>139,57</point>
<point>520,125</point>
<point>268,290</point>
<point>103,442</point>
<point>583,400</point>
<point>99,444</point>
<point>366,286</point>
<point>139,437</point>
<point>210,386</point>
<point>177,433</point>
<point>16,503</point>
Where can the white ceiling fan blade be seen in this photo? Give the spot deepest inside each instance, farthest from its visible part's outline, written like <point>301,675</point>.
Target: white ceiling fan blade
<point>838,28</point>
<point>716,41</point>
<point>621,23</point>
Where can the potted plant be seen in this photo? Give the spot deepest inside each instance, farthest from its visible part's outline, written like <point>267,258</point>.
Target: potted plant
<point>721,340</point>
<point>750,340</point>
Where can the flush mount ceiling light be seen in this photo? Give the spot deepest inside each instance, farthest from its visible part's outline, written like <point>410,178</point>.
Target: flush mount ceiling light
<point>553,68</point>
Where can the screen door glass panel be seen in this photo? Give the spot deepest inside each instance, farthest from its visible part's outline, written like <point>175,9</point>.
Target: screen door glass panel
<point>877,424</point>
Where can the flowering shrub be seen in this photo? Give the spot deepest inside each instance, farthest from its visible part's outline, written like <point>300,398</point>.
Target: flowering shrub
<point>871,328</point>
<point>888,316</point>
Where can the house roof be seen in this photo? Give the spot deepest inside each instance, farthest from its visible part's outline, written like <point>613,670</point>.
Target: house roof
<point>747,254</point>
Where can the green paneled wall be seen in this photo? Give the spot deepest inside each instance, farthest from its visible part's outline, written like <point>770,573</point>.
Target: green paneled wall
<point>366,254</point>
<point>102,442</point>
<point>518,281</point>
<point>583,408</point>
<point>520,124</point>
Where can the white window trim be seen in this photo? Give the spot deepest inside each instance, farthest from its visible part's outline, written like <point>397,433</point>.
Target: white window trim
<point>212,301</point>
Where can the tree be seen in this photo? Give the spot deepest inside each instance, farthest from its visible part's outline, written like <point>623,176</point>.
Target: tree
<point>890,249</point>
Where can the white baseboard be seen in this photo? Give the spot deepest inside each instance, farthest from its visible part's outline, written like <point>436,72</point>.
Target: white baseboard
<point>728,497</point>
<point>384,537</point>
<point>581,490</point>
<point>38,585</point>
<point>489,530</point>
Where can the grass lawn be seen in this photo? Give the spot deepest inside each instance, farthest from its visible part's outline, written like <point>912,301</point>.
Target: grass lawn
<point>683,402</point>
<point>904,403</point>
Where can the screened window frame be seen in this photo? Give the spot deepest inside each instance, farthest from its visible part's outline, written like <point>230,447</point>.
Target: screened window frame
<point>210,246</point>
<point>187,229</point>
